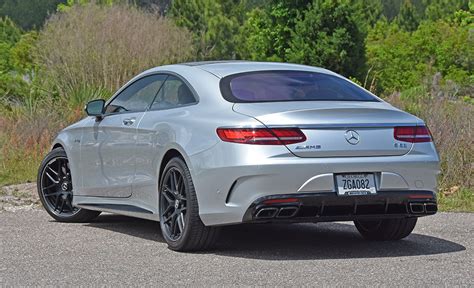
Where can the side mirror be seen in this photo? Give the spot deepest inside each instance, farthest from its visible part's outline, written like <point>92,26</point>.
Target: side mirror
<point>95,108</point>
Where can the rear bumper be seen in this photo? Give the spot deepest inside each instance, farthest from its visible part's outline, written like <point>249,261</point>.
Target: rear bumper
<point>230,177</point>
<point>321,207</point>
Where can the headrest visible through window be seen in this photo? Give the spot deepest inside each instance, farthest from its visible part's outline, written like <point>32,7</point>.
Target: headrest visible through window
<point>184,95</point>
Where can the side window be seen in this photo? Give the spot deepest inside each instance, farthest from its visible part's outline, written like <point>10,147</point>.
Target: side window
<point>138,96</point>
<point>174,93</point>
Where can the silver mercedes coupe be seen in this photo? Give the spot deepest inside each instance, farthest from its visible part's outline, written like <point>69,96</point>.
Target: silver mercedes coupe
<point>200,145</point>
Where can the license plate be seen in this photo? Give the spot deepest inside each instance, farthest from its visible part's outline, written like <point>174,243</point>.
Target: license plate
<point>355,184</point>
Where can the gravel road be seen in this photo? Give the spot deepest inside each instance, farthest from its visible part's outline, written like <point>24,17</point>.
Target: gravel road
<point>117,250</point>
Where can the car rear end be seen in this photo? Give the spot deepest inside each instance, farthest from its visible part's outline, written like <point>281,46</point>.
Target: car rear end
<point>320,149</point>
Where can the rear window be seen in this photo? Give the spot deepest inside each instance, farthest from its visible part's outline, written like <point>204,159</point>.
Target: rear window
<point>274,86</point>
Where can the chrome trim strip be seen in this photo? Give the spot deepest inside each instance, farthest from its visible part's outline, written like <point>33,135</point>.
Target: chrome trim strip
<point>343,125</point>
<point>257,126</point>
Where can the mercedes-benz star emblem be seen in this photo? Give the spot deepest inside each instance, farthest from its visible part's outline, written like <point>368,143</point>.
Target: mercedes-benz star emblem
<point>352,137</point>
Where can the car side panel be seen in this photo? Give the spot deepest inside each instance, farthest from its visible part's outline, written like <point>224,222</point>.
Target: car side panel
<point>189,130</point>
<point>70,140</point>
<point>107,156</point>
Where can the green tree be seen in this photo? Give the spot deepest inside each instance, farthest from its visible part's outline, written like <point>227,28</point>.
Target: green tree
<point>213,30</point>
<point>391,8</point>
<point>328,35</point>
<point>28,14</point>
<point>23,54</point>
<point>439,9</point>
<point>11,82</point>
<point>9,32</point>
<point>369,12</point>
<point>464,17</point>
<point>408,18</point>
<point>267,31</point>
<point>160,6</point>
<point>401,60</point>
<point>68,4</point>
<point>388,59</point>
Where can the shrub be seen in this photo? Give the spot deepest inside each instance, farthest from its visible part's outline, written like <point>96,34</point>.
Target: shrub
<point>87,52</point>
<point>400,59</point>
<point>328,35</point>
<point>104,46</point>
<point>450,122</point>
<point>212,28</point>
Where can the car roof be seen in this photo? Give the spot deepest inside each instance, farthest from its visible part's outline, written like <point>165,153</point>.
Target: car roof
<point>229,67</point>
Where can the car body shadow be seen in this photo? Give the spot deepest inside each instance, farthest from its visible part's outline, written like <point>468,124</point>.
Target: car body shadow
<point>291,241</point>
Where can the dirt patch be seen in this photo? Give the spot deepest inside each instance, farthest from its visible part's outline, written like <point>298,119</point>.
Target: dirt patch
<point>19,197</point>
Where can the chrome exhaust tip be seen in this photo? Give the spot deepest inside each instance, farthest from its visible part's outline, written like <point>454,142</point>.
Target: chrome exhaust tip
<point>417,208</point>
<point>431,208</point>
<point>266,213</point>
<point>287,212</point>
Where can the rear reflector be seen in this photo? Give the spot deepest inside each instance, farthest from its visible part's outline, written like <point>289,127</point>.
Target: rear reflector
<point>279,201</point>
<point>261,136</point>
<point>412,134</point>
<point>420,196</point>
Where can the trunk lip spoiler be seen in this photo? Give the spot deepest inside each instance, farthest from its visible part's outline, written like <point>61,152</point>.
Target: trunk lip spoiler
<point>344,125</point>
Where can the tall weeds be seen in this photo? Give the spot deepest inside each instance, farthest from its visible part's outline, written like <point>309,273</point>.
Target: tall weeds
<point>85,53</point>
<point>451,123</point>
<point>103,47</point>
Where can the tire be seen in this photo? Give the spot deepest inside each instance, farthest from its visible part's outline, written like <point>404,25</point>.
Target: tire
<point>57,197</point>
<point>387,229</point>
<point>178,201</point>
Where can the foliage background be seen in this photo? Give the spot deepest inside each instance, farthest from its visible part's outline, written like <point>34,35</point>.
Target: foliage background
<point>55,55</point>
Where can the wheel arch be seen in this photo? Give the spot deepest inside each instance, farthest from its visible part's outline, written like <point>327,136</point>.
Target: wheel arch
<point>171,153</point>
<point>57,145</point>
<point>61,141</point>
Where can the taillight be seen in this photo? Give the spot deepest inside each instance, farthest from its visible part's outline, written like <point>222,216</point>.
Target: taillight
<point>412,134</point>
<point>261,136</point>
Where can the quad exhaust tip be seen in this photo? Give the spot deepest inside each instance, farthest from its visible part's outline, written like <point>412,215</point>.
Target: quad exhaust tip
<point>287,212</point>
<point>274,212</point>
<point>431,208</point>
<point>417,208</point>
<point>266,213</point>
<point>420,208</point>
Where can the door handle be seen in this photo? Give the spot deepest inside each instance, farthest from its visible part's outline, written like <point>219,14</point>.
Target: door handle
<point>129,121</point>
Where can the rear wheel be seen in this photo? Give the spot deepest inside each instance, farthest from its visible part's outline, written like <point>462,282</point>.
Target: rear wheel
<point>180,223</point>
<point>387,229</point>
<point>55,189</point>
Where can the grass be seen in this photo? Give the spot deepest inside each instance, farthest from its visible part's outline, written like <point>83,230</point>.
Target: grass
<point>460,201</point>
<point>18,166</point>
<point>18,169</point>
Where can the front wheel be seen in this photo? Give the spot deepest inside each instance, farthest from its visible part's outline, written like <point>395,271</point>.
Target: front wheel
<point>180,223</point>
<point>55,189</point>
<point>387,229</point>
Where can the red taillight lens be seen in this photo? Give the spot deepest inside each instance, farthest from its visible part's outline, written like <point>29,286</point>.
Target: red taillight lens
<point>412,134</point>
<point>261,136</point>
<point>280,201</point>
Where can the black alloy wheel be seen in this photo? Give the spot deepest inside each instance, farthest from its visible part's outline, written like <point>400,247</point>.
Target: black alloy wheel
<point>55,189</point>
<point>173,203</point>
<point>180,223</point>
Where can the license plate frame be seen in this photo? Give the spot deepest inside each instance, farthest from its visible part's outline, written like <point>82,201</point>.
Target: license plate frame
<point>355,184</point>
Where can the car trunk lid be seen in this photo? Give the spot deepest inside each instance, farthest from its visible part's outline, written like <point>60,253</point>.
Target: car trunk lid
<point>335,128</point>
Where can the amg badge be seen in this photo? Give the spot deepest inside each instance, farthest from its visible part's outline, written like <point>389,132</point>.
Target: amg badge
<point>308,147</point>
